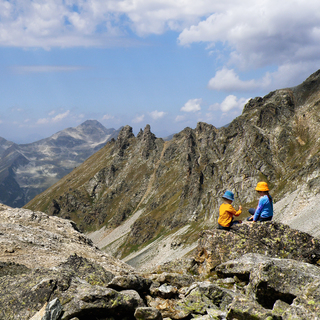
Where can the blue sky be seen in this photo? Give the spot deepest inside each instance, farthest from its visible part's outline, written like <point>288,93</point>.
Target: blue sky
<point>165,63</point>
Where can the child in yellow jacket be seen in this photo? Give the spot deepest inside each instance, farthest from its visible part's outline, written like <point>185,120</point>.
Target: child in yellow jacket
<point>227,212</point>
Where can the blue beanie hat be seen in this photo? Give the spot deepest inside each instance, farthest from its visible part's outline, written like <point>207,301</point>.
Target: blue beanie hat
<point>228,195</point>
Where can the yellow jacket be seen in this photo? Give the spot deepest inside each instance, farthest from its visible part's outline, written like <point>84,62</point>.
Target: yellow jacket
<point>226,213</point>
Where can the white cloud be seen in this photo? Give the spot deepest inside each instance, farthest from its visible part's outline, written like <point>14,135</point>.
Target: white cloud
<point>231,102</point>
<point>60,116</point>
<point>285,76</point>
<point>180,118</point>
<point>192,105</point>
<point>257,32</point>
<point>57,118</point>
<point>155,115</point>
<point>228,80</point>
<point>248,34</point>
<point>93,23</point>
<point>107,117</point>
<point>43,121</point>
<point>138,119</point>
<point>260,33</point>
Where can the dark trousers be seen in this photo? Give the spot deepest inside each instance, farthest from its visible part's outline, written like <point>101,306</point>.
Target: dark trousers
<point>227,228</point>
<point>252,211</point>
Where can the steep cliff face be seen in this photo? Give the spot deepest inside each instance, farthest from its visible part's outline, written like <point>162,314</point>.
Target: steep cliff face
<point>138,191</point>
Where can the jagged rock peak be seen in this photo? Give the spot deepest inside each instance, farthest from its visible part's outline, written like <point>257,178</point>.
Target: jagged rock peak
<point>148,141</point>
<point>277,99</point>
<point>308,90</point>
<point>140,134</point>
<point>124,135</point>
<point>205,127</point>
<point>147,134</point>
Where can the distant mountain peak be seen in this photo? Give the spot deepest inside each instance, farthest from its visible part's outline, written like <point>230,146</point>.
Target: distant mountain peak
<point>91,123</point>
<point>28,169</point>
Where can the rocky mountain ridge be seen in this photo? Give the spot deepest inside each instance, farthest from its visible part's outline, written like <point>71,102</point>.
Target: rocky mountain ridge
<point>141,196</point>
<point>261,271</point>
<point>28,169</point>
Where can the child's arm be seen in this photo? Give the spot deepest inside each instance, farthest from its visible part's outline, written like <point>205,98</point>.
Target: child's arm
<point>237,213</point>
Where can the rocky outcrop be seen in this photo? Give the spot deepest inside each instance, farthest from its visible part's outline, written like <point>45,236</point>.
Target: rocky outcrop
<point>47,267</point>
<point>31,239</point>
<point>256,271</point>
<point>80,286</point>
<point>268,280</point>
<point>269,238</point>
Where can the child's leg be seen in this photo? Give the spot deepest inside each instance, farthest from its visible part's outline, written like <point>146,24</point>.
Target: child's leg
<point>223,228</point>
<point>251,211</point>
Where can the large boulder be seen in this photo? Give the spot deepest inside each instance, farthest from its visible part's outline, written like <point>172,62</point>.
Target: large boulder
<point>285,288</point>
<point>268,238</point>
<point>33,239</point>
<point>80,286</point>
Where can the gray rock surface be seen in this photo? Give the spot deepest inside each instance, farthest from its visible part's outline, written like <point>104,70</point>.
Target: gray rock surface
<point>34,239</point>
<point>247,281</point>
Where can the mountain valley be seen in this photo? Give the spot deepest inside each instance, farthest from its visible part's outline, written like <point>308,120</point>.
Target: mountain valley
<point>140,197</point>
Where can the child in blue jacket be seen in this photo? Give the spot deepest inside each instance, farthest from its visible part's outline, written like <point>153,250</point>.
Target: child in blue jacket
<point>264,210</point>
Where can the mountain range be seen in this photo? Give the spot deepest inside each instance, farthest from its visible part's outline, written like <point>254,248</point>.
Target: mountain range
<point>141,198</point>
<point>28,169</point>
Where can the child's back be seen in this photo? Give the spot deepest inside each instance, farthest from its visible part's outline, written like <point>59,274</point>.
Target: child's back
<point>227,212</point>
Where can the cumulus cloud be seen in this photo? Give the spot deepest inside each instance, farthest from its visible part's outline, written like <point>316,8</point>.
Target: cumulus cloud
<point>249,34</point>
<point>155,115</point>
<point>60,116</point>
<point>180,118</point>
<point>257,33</point>
<point>92,23</point>
<point>107,117</point>
<point>231,102</point>
<point>192,105</point>
<point>57,118</point>
<point>261,33</point>
<point>228,80</point>
<point>43,121</point>
<point>286,75</point>
<point>138,119</point>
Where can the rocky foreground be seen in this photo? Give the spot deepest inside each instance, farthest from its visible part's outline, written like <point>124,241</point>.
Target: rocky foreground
<point>49,270</point>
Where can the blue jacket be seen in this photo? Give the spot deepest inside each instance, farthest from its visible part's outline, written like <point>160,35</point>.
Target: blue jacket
<point>264,209</point>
